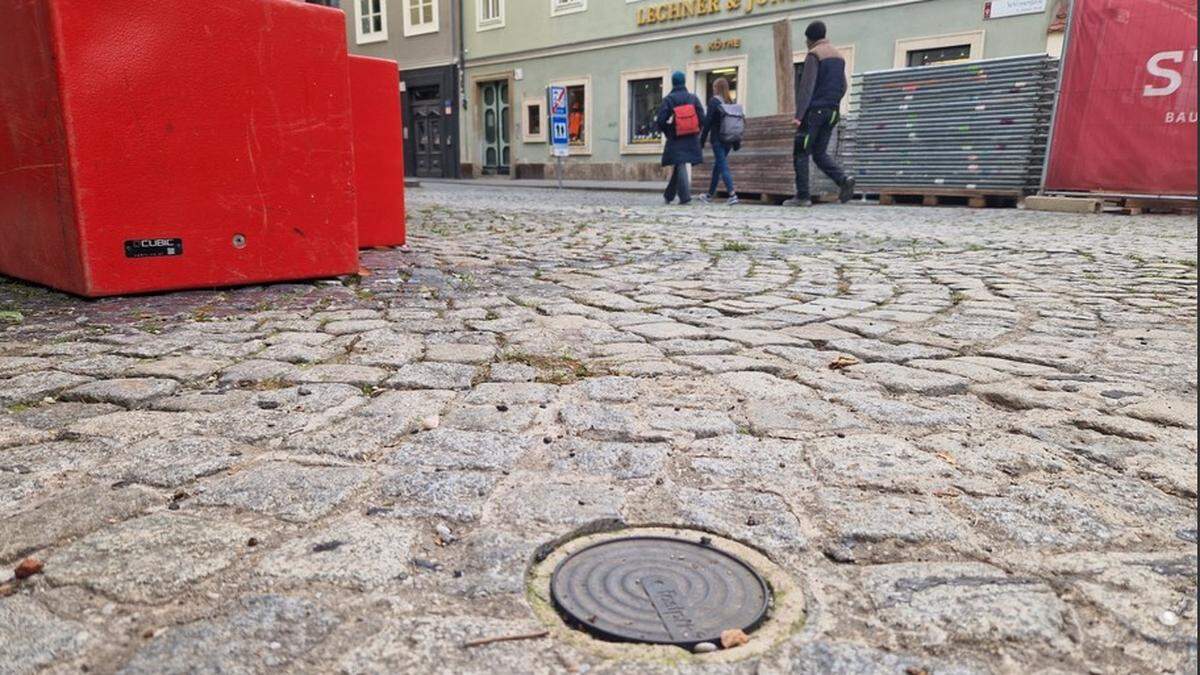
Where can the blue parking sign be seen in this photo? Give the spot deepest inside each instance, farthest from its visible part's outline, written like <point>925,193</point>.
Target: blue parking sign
<point>559,134</point>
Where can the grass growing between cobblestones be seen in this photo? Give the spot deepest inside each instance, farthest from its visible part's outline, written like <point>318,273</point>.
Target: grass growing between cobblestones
<point>968,444</point>
<point>562,369</point>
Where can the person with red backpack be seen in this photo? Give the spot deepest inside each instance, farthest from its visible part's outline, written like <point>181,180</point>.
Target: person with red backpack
<point>680,121</point>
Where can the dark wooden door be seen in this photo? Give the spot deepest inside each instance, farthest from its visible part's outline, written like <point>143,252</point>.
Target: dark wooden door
<point>428,128</point>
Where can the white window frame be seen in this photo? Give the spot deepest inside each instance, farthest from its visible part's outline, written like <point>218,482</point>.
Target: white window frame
<point>420,29</point>
<point>482,24</point>
<point>369,38</point>
<point>589,121</point>
<point>742,63</point>
<point>847,54</point>
<point>973,38</point>
<point>564,7</point>
<point>627,148</point>
<point>526,104</point>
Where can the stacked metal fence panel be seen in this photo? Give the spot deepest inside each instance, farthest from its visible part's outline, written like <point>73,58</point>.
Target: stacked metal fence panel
<point>980,126</point>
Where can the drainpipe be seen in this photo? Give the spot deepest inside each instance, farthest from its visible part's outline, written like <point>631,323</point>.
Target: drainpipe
<point>462,84</point>
<point>462,55</point>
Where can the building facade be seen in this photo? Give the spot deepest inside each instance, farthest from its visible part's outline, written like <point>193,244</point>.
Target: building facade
<point>423,37</point>
<point>616,56</point>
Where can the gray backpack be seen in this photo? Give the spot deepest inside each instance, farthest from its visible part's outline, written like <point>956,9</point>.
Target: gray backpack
<point>733,124</point>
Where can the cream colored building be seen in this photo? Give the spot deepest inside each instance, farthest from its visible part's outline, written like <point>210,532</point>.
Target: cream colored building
<point>423,37</point>
<point>616,57</point>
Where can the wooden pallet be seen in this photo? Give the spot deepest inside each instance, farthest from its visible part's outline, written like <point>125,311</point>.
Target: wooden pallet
<point>777,198</point>
<point>1135,206</point>
<point>976,199</point>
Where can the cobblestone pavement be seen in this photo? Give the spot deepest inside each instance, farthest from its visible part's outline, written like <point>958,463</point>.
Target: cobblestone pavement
<point>997,474</point>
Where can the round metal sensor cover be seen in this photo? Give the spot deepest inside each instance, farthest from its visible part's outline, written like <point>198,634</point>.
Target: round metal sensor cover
<point>659,590</point>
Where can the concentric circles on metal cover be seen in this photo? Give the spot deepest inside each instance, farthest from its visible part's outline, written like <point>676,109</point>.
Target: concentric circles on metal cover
<point>659,590</point>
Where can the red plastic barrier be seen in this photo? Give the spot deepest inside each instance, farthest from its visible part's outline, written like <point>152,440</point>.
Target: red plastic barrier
<point>1126,120</point>
<point>148,146</point>
<point>378,151</point>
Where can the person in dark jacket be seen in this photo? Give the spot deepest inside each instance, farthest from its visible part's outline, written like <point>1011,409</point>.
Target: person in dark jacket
<point>680,151</point>
<point>712,129</point>
<point>822,87</point>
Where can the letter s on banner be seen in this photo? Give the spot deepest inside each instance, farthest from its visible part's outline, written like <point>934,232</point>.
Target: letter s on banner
<point>1155,70</point>
<point>1104,95</point>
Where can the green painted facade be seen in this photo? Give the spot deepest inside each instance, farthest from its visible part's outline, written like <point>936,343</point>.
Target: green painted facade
<point>530,48</point>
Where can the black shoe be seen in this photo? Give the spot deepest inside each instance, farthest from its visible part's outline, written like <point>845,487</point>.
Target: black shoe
<point>846,193</point>
<point>797,201</point>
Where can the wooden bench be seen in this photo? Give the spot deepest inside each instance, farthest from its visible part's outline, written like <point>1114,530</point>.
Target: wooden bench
<point>763,166</point>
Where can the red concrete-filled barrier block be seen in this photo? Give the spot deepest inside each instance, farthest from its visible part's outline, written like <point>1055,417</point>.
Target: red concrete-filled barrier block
<point>378,151</point>
<point>148,146</point>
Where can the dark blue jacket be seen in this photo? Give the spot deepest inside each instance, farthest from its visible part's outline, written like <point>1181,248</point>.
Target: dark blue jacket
<point>685,150</point>
<point>712,124</point>
<point>823,83</point>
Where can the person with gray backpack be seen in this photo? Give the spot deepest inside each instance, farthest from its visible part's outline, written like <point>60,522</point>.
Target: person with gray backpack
<point>725,124</point>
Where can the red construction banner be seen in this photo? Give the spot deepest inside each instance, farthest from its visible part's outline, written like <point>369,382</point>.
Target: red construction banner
<point>1126,120</point>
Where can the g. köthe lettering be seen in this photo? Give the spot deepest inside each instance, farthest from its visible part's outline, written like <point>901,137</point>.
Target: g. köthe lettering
<point>1167,70</point>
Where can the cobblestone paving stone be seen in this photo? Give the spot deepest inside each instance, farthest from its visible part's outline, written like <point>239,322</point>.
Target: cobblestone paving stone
<point>997,474</point>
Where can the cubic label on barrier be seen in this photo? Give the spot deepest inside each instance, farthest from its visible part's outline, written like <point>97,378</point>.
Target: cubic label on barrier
<point>153,248</point>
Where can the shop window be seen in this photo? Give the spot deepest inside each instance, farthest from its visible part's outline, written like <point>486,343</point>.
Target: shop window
<point>533,121</point>
<point>710,77</point>
<point>370,21</point>
<point>577,122</point>
<point>645,97</point>
<point>641,93</point>
<point>560,7</point>
<point>491,14</point>
<point>939,49</point>
<point>579,114</point>
<point>420,17</point>
<point>703,76</point>
<point>942,55</point>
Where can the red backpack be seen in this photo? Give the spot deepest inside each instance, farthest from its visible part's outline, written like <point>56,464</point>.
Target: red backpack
<point>687,122</point>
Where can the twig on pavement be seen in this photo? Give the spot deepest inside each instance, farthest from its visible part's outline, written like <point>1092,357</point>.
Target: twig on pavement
<point>505,638</point>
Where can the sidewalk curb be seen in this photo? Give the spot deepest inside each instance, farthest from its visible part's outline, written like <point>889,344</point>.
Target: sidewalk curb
<point>649,188</point>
